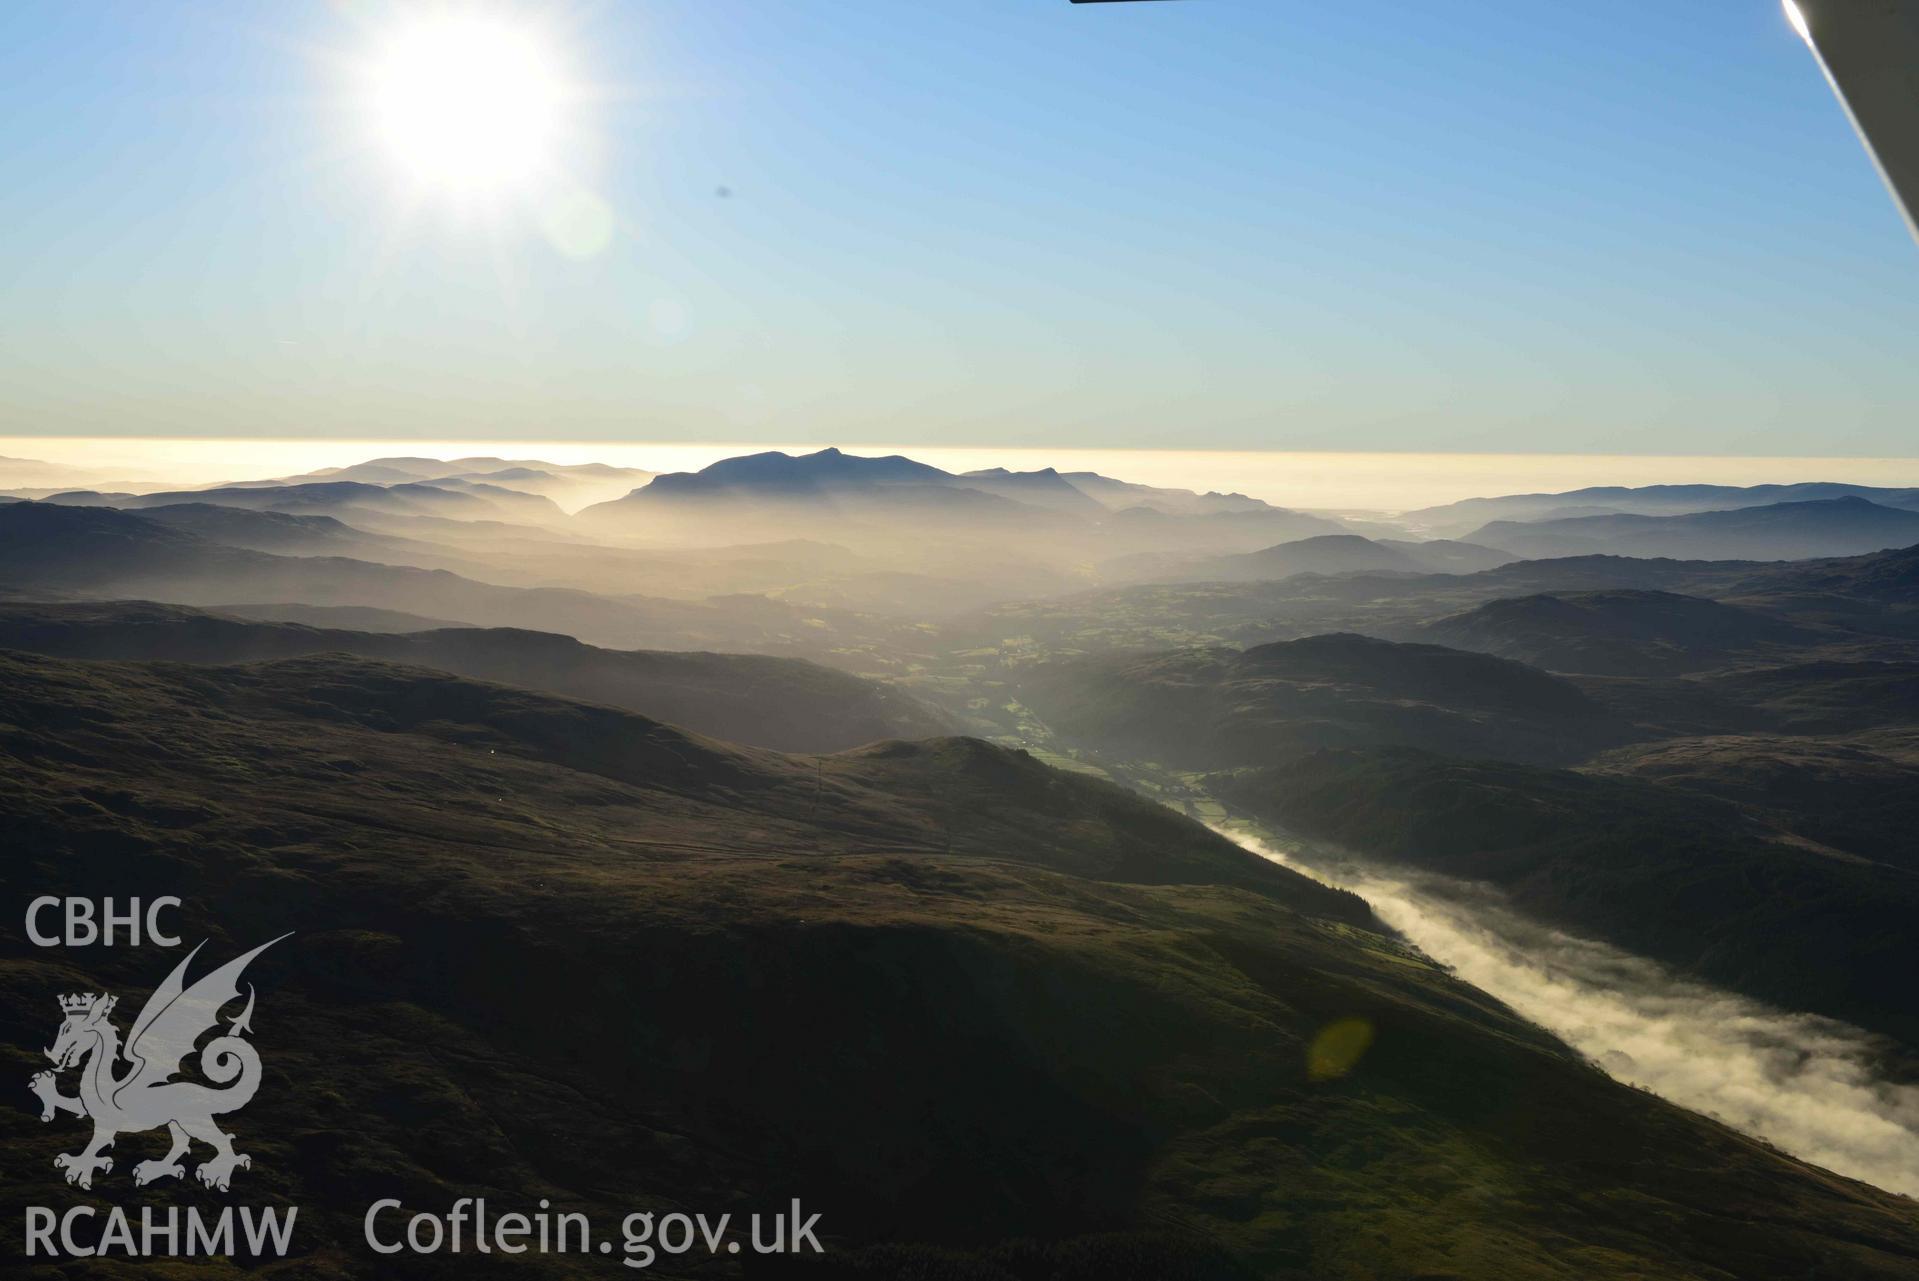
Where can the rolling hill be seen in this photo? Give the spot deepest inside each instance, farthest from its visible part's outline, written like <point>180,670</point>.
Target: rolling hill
<point>1391,605</point>
<point>349,500</point>
<point>987,1019</point>
<point>1620,633</point>
<point>1328,554</point>
<point>351,618</point>
<point>1322,554</point>
<point>1214,708</point>
<point>571,485</point>
<point>1887,577</point>
<point>782,703</point>
<point>1449,555</point>
<point>1845,526</point>
<point>1853,796</point>
<point>1645,500</point>
<point>1677,874</point>
<point>1120,495</point>
<point>285,534</point>
<point>103,552</point>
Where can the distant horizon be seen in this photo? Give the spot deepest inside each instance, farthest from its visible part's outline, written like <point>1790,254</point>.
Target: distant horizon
<point>1358,480</point>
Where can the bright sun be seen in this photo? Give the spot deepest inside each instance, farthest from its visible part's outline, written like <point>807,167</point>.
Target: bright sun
<point>468,104</point>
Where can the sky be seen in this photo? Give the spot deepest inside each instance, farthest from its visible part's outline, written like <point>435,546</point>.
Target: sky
<point>1500,227</point>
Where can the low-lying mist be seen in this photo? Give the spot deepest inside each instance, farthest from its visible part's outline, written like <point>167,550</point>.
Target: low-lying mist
<point>1805,1084</point>
<point>1380,481</point>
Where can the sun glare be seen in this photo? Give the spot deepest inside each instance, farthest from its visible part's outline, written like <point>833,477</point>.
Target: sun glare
<point>468,104</point>
<point>1797,16</point>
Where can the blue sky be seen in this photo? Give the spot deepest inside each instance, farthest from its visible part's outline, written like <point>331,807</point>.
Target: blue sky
<point>1634,227</point>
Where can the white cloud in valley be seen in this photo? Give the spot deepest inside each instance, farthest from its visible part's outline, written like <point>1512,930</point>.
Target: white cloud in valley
<point>1806,1084</point>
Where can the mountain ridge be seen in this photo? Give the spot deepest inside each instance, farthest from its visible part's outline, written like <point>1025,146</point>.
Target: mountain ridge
<point>1843,526</point>
<point>785,704</point>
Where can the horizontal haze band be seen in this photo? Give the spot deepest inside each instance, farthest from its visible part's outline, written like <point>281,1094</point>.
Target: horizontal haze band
<point>1375,481</point>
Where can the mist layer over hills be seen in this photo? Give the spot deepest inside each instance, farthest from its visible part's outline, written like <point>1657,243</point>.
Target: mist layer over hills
<point>501,741</point>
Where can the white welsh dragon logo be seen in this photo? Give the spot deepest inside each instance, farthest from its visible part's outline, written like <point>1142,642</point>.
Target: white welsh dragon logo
<point>145,1097</point>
